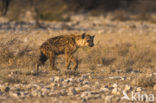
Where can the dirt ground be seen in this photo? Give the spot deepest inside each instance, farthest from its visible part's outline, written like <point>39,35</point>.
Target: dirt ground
<point>123,61</point>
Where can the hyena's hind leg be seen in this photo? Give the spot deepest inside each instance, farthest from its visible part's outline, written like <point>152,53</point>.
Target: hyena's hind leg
<point>52,58</point>
<point>41,61</point>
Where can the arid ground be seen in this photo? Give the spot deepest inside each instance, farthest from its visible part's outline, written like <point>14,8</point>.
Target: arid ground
<point>123,61</point>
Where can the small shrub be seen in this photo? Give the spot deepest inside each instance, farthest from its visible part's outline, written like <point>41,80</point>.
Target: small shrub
<point>123,48</point>
<point>15,53</point>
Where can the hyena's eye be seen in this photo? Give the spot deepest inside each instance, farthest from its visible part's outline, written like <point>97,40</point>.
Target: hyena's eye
<point>88,40</point>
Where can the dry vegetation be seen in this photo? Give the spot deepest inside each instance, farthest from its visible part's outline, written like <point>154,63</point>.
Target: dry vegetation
<point>124,50</point>
<point>123,58</point>
<point>119,50</point>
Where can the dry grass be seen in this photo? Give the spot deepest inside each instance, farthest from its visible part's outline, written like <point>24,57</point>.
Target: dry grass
<point>121,51</point>
<point>112,52</point>
<point>130,54</point>
<point>15,52</point>
<point>144,81</point>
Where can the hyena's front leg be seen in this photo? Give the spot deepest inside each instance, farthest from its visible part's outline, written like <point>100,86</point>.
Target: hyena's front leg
<point>70,58</point>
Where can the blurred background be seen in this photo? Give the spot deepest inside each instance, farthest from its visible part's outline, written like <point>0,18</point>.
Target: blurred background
<point>61,10</point>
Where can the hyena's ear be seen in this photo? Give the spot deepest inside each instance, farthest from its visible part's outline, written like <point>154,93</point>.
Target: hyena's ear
<point>83,35</point>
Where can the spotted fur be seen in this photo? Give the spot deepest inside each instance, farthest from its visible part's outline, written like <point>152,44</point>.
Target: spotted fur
<point>64,44</point>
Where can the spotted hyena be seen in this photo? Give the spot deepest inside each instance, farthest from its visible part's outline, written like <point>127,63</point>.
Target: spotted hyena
<point>64,44</point>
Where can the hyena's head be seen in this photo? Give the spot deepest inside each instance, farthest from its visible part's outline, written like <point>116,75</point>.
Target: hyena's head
<point>85,40</point>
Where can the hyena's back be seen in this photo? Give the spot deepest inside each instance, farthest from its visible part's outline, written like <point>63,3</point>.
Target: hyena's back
<point>58,44</point>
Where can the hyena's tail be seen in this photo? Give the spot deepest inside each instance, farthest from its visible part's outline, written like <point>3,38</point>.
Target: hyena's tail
<point>41,60</point>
